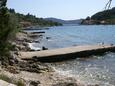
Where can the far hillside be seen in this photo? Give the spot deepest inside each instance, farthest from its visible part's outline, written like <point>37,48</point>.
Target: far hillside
<point>77,21</point>
<point>32,20</point>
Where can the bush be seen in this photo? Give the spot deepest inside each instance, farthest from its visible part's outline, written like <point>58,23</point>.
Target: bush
<point>5,78</point>
<point>9,80</point>
<point>20,83</point>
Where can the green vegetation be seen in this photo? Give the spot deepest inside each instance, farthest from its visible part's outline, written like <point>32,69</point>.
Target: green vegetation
<point>20,83</point>
<point>8,29</point>
<point>104,17</point>
<point>9,80</point>
<point>107,15</point>
<point>5,78</point>
<point>10,22</point>
<point>31,20</point>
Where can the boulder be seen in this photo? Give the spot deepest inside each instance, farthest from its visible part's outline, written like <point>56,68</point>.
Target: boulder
<point>48,37</point>
<point>34,83</point>
<point>65,84</point>
<point>33,67</point>
<point>4,83</point>
<point>13,69</point>
<point>44,48</point>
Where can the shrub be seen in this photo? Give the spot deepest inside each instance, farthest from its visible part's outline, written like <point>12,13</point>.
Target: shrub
<point>20,83</point>
<point>9,80</point>
<point>5,78</point>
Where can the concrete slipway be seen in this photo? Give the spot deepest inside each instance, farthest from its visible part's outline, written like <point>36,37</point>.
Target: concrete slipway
<point>66,53</point>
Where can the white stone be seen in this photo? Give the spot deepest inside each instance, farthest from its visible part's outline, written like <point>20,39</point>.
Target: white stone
<point>4,83</point>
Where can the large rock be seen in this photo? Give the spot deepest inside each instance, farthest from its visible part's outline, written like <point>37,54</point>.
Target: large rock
<point>4,83</point>
<point>32,66</point>
<point>34,83</point>
<point>66,84</point>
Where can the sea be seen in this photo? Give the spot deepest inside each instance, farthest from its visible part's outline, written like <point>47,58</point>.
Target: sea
<point>91,70</point>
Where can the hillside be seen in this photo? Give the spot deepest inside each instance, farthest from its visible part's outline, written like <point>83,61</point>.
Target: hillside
<point>78,21</point>
<point>103,17</point>
<point>32,20</point>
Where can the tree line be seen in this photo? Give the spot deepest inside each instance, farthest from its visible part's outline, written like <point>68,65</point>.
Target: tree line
<point>33,20</point>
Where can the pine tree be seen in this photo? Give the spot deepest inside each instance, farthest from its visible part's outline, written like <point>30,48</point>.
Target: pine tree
<point>7,27</point>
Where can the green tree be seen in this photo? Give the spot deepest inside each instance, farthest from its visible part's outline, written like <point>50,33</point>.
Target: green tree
<point>88,18</point>
<point>2,3</point>
<point>7,29</point>
<point>11,10</point>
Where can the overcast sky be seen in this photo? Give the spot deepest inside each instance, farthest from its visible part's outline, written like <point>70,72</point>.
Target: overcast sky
<point>64,9</point>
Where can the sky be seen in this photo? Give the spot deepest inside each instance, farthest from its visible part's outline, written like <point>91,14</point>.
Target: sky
<point>63,9</point>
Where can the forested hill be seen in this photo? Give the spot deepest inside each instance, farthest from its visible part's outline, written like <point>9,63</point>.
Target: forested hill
<point>76,21</point>
<point>103,17</point>
<point>30,20</point>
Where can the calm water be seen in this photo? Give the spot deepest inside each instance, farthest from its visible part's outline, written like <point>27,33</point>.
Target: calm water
<point>77,35</point>
<point>96,69</point>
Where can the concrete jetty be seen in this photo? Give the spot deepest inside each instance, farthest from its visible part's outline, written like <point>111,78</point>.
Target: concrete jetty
<point>66,53</point>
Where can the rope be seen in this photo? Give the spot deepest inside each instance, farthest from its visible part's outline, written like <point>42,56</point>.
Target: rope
<point>108,5</point>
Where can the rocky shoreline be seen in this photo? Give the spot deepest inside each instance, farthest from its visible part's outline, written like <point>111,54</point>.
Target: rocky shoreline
<point>41,79</point>
<point>32,73</point>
